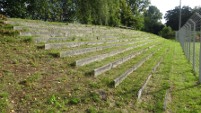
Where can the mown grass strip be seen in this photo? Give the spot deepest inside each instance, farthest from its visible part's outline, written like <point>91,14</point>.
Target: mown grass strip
<point>185,90</point>
<point>167,98</point>
<point>129,88</point>
<point>149,77</point>
<point>119,79</point>
<point>153,97</point>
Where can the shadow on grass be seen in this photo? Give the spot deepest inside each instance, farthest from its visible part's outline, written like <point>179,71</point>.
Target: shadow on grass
<point>190,87</point>
<point>73,64</point>
<point>89,74</point>
<point>54,54</point>
<point>111,84</point>
<point>40,46</point>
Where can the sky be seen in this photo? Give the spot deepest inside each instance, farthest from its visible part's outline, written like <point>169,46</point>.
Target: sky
<point>165,5</point>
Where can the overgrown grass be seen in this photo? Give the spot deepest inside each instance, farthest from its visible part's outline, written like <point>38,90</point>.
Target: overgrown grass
<point>36,80</point>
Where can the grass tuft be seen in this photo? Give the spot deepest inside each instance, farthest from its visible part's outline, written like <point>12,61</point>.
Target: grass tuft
<point>27,39</point>
<point>74,101</point>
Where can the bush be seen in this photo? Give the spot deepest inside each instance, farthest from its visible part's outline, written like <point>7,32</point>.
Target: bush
<point>167,32</point>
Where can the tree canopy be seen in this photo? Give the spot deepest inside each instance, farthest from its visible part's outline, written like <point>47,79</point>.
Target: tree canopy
<point>172,16</point>
<point>152,19</point>
<point>101,12</point>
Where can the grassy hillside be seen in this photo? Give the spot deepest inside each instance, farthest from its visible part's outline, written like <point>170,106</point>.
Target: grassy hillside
<point>35,77</point>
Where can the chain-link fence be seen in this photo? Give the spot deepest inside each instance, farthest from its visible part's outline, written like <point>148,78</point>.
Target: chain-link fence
<point>190,40</point>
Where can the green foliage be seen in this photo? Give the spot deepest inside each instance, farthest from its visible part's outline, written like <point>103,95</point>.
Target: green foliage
<point>172,16</point>
<point>99,12</point>
<point>3,102</point>
<point>114,17</point>
<point>14,8</point>
<point>38,9</point>
<point>91,110</point>
<point>69,10</point>
<point>152,20</point>
<point>52,99</point>
<point>95,97</point>
<point>129,17</point>
<point>27,39</point>
<point>74,101</point>
<point>167,32</point>
<point>138,6</point>
<point>56,102</point>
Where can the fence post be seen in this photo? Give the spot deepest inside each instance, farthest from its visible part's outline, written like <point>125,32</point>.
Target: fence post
<point>189,45</point>
<point>200,50</point>
<point>200,58</point>
<point>186,39</point>
<point>193,35</point>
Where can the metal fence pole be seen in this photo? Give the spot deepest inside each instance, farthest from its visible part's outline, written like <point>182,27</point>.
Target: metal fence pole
<point>199,16</point>
<point>189,44</point>
<point>186,38</point>
<point>193,36</point>
<point>200,58</point>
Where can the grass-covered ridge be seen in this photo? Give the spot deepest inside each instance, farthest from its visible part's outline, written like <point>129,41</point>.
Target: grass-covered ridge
<point>33,79</point>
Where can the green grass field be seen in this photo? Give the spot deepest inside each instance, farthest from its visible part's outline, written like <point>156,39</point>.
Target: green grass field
<point>36,80</point>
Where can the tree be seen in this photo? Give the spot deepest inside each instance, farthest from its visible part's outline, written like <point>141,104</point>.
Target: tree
<point>172,16</point>
<point>114,13</point>
<point>152,20</point>
<point>167,32</point>
<point>84,11</point>
<point>69,10</point>
<point>126,14</point>
<point>14,8</point>
<point>138,6</point>
<point>37,9</point>
<point>100,12</point>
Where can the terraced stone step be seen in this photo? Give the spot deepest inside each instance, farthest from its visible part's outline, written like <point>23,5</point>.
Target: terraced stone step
<point>114,64</point>
<point>76,44</point>
<point>48,39</point>
<point>92,49</point>
<point>85,61</point>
